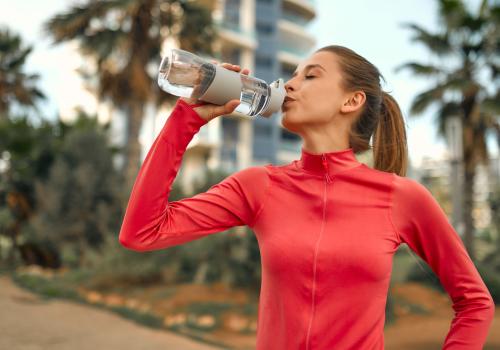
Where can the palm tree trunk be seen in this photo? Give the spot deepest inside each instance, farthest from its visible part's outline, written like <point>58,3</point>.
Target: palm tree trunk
<point>468,210</point>
<point>132,146</point>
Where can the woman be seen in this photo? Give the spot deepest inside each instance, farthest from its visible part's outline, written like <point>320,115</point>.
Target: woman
<point>327,225</point>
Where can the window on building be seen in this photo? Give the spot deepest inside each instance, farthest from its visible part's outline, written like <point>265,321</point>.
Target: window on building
<point>262,130</point>
<point>232,13</point>
<point>263,60</point>
<point>264,28</point>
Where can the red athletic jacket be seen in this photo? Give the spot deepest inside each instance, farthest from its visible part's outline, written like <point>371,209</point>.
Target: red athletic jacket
<point>327,226</point>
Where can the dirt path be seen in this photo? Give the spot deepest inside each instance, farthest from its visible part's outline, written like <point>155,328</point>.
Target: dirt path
<point>28,322</point>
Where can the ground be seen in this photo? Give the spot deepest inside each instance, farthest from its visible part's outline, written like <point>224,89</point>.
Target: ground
<point>30,322</point>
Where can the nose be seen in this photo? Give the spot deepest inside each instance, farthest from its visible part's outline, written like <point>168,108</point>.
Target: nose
<point>288,85</point>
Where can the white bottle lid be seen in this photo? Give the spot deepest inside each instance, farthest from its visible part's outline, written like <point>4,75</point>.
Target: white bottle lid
<point>276,99</point>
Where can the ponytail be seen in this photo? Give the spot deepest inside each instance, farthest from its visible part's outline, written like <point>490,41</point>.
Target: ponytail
<point>390,150</point>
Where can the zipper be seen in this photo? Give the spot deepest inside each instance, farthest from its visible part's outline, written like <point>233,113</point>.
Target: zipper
<point>325,165</point>
<point>313,306</point>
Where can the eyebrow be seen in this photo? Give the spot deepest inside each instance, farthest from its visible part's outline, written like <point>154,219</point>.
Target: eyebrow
<point>309,66</point>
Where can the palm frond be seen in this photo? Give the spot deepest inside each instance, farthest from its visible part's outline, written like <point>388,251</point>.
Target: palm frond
<point>78,19</point>
<point>425,99</point>
<point>196,30</point>
<point>491,104</point>
<point>437,43</point>
<point>102,43</point>
<point>421,69</point>
<point>452,13</point>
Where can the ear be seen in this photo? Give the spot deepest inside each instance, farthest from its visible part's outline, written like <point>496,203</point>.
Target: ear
<point>354,101</point>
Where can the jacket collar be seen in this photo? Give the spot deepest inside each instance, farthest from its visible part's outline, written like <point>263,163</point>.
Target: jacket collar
<point>328,163</point>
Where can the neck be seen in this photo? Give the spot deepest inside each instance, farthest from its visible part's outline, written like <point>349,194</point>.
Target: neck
<point>326,138</point>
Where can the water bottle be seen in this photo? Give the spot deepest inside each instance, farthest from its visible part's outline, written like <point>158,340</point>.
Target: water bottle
<point>184,74</point>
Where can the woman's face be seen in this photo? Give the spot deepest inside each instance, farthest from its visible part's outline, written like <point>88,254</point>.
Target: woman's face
<point>317,91</point>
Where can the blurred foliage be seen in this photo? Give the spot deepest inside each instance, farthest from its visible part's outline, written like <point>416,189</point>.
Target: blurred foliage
<point>489,270</point>
<point>123,40</point>
<point>422,273</point>
<point>58,187</point>
<point>79,202</point>
<point>231,256</point>
<point>17,88</point>
<point>463,74</point>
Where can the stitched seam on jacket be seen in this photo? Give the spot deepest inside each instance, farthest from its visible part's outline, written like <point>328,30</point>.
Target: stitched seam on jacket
<point>256,217</point>
<point>391,200</point>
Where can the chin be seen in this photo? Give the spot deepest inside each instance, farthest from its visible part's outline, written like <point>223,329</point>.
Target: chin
<point>289,124</point>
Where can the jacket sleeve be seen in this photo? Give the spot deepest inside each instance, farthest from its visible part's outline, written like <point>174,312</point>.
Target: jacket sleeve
<point>422,224</point>
<point>151,222</point>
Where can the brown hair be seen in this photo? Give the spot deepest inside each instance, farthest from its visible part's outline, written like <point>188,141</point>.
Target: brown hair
<point>380,117</point>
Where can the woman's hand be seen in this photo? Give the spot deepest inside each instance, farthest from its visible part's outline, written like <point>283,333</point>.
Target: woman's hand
<point>209,111</point>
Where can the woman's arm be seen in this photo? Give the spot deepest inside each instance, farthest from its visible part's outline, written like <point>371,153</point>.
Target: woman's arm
<point>151,222</point>
<point>423,225</point>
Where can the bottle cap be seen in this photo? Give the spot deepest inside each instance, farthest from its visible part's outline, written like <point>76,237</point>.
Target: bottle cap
<point>276,99</point>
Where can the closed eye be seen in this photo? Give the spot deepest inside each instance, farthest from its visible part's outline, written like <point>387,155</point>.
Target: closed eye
<point>310,76</point>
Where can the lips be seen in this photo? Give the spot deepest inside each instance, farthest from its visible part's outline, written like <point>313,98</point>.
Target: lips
<point>286,104</point>
<point>287,101</point>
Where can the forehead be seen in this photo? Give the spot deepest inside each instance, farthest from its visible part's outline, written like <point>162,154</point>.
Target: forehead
<point>324,61</point>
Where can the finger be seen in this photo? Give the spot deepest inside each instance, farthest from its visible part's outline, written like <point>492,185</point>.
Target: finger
<point>229,107</point>
<point>231,67</point>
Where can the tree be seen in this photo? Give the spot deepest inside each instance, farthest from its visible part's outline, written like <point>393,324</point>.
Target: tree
<point>16,87</point>
<point>123,39</point>
<point>466,45</point>
<point>26,153</point>
<point>78,204</point>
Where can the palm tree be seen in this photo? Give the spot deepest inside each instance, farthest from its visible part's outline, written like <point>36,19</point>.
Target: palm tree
<point>16,87</point>
<point>123,39</point>
<point>466,45</point>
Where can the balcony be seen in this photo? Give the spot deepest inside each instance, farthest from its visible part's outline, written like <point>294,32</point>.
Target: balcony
<point>292,56</point>
<point>295,18</point>
<point>293,32</point>
<point>233,35</point>
<point>304,7</point>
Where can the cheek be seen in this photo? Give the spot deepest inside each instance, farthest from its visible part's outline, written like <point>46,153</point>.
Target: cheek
<point>306,114</point>
<point>316,106</point>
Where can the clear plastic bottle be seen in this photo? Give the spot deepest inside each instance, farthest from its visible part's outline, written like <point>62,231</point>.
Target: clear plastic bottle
<point>184,74</point>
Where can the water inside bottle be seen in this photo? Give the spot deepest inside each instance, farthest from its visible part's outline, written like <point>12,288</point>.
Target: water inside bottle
<point>182,79</point>
<point>254,96</point>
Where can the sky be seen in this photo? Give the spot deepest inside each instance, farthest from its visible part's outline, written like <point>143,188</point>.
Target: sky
<point>372,28</point>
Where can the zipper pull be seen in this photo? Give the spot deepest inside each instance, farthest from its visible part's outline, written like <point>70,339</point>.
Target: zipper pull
<point>325,165</point>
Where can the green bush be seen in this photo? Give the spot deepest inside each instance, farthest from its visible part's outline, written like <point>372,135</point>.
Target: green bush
<point>492,280</point>
<point>489,269</point>
<point>114,265</point>
<point>422,273</point>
